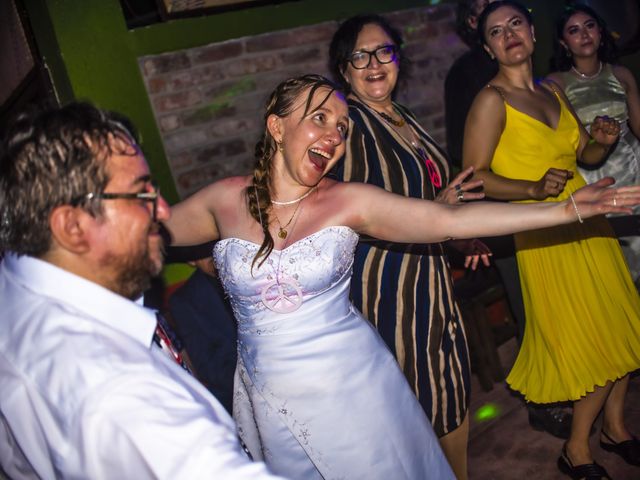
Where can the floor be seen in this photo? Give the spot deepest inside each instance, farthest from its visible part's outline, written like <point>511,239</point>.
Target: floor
<point>503,446</point>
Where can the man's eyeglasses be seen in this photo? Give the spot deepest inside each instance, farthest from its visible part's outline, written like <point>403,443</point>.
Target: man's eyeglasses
<point>362,58</point>
<point>151,196</point>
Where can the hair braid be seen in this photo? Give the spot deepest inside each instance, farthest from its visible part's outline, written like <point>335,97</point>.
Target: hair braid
<point>259,195</point>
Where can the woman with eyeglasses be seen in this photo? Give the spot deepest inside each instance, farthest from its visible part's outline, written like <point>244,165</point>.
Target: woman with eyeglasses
<point>405,290</point>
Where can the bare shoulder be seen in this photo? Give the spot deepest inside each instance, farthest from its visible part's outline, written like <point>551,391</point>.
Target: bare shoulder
<point>554,88</point>
<point>491,95</point>
<point>349,190</point>
<point>348,200</point>
<point>556,77</point>
<point>488,103</point>
<point>624,76</point>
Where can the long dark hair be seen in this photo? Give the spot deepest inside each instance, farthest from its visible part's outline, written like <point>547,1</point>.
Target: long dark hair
<point>282,102</point>
<point>562,60</point>
<point>344,41</point>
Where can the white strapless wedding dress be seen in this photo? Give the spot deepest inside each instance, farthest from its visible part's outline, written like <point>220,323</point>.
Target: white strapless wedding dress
<point>317,392</point>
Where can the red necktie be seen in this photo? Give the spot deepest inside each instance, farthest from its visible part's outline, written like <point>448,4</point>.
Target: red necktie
<point>167,340</point>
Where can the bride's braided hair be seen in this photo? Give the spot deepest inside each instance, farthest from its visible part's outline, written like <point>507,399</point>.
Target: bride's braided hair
<point>282,103</point>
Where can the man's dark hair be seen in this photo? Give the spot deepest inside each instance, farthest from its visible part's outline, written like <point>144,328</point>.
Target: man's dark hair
<point>51,156</point>
<point>466,9</point>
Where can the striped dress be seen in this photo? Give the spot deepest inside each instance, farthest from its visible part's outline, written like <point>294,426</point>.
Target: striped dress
<point>406,290</point>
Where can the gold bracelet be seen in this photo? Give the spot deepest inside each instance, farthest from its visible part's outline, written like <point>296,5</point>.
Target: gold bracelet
<point>575,207</point>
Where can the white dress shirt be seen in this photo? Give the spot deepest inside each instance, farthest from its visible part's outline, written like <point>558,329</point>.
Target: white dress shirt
<point>83,394</point>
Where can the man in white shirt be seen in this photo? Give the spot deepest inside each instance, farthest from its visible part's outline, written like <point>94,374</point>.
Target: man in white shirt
<point>84,391</point>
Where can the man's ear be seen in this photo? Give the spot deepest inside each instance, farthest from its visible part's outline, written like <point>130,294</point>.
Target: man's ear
<point>472,21</point>
<point>275,127</point>
<point>68,228</point>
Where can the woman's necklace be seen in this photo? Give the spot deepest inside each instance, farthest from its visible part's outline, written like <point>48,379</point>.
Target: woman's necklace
<point>396,123</point>
<point>282,231</point>
<point>295,200</point>
<point>584,75</point>
<point>283,294</point>
<point>432,170</point>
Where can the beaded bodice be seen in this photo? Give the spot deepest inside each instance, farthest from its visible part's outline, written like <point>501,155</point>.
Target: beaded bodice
<point>317,264</point>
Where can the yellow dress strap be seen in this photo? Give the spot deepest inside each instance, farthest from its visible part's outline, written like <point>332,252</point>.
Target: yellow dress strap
<point>499,90</point>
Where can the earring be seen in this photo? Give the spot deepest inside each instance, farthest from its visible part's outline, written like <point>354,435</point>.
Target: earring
<point>280,147</point>
<point>567,52</point>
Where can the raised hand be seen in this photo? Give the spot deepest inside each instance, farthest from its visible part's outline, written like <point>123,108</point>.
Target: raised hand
<point>605,130</point>
<point>600,198</point>
<point>458,190</point>
<point>551,183</point>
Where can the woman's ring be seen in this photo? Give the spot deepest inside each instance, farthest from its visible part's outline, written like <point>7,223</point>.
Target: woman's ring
<point>460,195</point>
<point>458,187</point>
<point>615,203</point>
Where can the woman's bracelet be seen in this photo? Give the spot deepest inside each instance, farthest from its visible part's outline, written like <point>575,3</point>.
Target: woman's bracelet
<point>575,207</point>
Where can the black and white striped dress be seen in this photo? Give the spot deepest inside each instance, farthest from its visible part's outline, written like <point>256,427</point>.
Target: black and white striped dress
<point>406,290</point>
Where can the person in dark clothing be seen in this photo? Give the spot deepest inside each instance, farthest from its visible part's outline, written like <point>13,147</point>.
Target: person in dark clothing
<point>466,77</point>
<point>203,320</point>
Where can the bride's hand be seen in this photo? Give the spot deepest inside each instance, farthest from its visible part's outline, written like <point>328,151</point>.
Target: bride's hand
<point>600,198</point>
<point>458,190</point>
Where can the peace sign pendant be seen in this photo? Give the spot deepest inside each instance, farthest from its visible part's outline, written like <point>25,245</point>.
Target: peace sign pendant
<point>282,296</point>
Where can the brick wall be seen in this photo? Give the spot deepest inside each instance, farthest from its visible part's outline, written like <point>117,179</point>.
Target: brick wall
<point>208,101</point>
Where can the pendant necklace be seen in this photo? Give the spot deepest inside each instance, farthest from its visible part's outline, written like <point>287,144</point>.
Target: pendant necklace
<point>584,75</point>
<point>432,170</point>
<point>283,294</point>
<point>282,231</point>
<point>396,123</point>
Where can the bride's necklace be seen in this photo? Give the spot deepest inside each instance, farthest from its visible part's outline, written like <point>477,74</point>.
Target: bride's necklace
<point>396,123</point>
<point>584,75</point>
<point>295,200</point>
<point>283,294</point>
<point>282,231</point>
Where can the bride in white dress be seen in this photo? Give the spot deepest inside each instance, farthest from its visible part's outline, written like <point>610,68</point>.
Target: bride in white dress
<point>318,394</point>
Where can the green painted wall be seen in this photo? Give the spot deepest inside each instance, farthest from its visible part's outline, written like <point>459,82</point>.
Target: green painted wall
<point>92,55</point>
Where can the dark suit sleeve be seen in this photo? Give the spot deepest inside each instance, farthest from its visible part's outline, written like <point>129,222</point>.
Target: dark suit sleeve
<point>205,324</point>
<point>456,106</point>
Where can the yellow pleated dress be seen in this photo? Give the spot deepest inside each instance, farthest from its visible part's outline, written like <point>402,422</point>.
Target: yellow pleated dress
<point>582,309</point>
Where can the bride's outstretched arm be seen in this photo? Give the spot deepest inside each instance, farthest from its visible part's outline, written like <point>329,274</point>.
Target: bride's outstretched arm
<point>408,220</point>
<point>193,221</point>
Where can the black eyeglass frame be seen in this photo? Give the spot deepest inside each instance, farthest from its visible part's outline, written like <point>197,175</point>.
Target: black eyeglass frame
<point>394,56</point>
<point>145,196</point>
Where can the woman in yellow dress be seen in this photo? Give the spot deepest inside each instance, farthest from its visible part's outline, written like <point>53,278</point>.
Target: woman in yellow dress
<point>582,334</point>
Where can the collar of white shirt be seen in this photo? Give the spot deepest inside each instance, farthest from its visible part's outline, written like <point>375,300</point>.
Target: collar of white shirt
<point>88,298</point>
